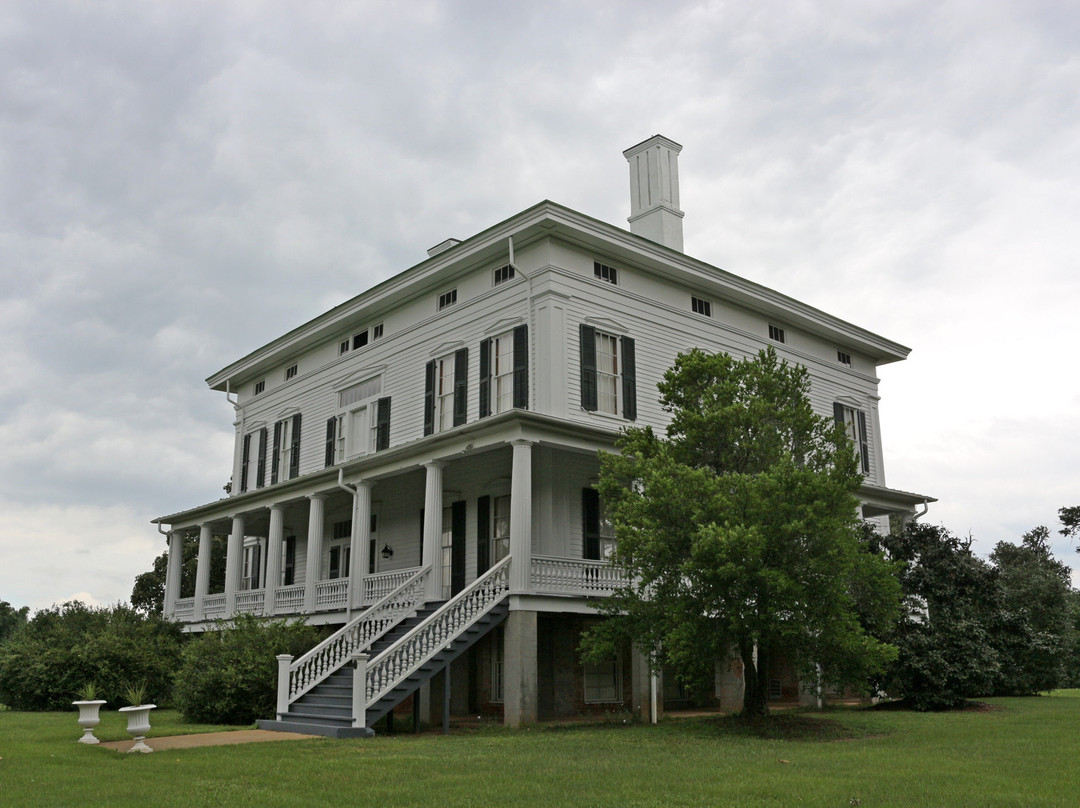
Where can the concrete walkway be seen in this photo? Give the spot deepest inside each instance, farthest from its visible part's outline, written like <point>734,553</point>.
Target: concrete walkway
<point>208,739</point>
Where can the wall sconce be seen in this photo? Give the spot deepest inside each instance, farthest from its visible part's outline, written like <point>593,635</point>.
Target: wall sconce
<point>387,552</point>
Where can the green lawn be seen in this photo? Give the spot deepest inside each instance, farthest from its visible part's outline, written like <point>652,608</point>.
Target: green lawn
<point>1022,754</point>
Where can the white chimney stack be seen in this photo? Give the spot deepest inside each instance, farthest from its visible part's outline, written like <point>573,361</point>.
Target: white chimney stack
<point>654,191</point>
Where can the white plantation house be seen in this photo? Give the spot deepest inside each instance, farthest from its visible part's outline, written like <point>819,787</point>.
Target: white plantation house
<point>416,465</point>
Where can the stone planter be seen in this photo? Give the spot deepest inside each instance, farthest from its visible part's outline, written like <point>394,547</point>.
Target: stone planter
<point>89,718</point>
<point>139,725</point>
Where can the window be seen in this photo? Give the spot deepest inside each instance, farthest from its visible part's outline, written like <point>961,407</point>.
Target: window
<point>608,373</point>
<point>286,456</point>
<point>260,385</point>
<point>446,551</point>
<point>338,557</point>
<point>854,423</point>
<point>504,372</point>
<point>447,299</point>
<point>362,424</point>
<point>497,657</point>
<point>605,273</point>
<point>445,391</point>
<point>245,456</point>
<point>843,358</point>
<point>503,274</point>
<point>288,561</point>
<point>377,331</point>
<point>699,306</point>
<point>500,529</point>
<point>603,681</point>
<point>598,531</point>
<point>290,372</point>
<point>252,567</point>
<point>343,347</point>
<point>776,333</point>
<point>360,340</point>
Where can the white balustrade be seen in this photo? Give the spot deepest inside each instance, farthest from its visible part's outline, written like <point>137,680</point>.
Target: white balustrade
<point>214,606</point>
<point>331,594</point>
<point>409,653</point>
<point>250,601</point>
<point>358,635</point>
<point>572,576</point>
<point>381,584</point>
<point>289,599</point>
<point>184,610</point>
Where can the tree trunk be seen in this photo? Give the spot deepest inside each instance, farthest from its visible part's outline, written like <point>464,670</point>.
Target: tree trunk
<point>755,681</point>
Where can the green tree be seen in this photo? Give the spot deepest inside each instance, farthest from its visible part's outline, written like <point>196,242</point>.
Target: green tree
<point>1070,519</point>
<point>945,631</point>
<point>739,533</point>
<point>148,593</point>
<point>11,619</point>
<point>1032,632</point>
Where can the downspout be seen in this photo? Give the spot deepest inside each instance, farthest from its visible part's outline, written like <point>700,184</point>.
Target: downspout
<point>532,325</point>
<point>922,513</point>
<point>350,489</point>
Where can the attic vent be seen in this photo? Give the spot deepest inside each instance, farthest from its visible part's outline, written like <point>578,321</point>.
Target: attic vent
<point>443,246</point>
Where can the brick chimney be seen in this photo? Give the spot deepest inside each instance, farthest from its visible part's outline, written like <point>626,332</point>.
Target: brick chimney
<point>654,191</point>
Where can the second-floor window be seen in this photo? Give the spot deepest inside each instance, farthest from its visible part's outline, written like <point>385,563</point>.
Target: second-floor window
<point>608,373</point>
<point>504,372</point>
<point>854,423</point>
<point>445,392</point>
<point>286,455</point>
<point>361,425</point>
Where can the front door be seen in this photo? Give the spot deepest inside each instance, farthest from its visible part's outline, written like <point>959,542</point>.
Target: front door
<point>453,549</point>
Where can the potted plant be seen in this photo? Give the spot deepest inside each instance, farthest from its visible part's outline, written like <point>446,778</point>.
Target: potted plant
<point>138,716</point>
<point>89,705</point>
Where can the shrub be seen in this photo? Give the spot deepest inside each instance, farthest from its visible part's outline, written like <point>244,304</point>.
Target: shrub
<point>229,676</point>
<point>47,661</point>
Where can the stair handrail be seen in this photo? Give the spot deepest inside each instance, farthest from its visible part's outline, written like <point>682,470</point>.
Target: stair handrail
<point>407,654</point>
<point>357,635</point>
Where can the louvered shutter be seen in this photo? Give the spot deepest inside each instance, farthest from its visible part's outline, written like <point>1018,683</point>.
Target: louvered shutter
<point>382,424</point>
<point>245,452</point>
<point>590,519</point>
<point>331,435</point>
<point>521,367</point>
<point>864,444</point>
<point>483,535</point>
<point>458,515</point>
<point>587,342</point>
<point>294,449</point>
<point>275,461</point>
<point>461,386</point>
<point>629,379</point>
<point>260,473</point>
<point>429,398</point>
<point>485,378</point>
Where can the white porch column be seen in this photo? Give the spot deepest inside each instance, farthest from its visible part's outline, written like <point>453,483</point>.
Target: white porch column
<point>433,529</point>
<point>234,564</point>
<point>172,571</point>
<point>202,569</point>
<point>316,511</point>
<point>361,538</point>
<point>521,516</point>
<point>273,555</point>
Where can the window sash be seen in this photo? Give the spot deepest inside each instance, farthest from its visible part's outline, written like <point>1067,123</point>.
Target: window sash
<point>607,373</point>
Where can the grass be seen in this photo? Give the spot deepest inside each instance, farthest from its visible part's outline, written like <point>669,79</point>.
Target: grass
<point>1021,754</point>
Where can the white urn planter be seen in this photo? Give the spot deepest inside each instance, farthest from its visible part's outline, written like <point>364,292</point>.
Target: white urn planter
<point>139,725</point>
<point>89,718</point>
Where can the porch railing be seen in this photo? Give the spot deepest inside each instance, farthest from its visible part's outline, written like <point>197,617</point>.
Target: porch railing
<point>184,609</point>
<point>331,594</point>
<point>214,606</point>
<point>573,576</point>
<point>308,670</point>
<point>289,599</point>
<point>409,653</point>
<point>381,584</point>
<point>250,601</point>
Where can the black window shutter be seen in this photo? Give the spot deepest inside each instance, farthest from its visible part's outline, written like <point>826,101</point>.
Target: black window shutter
<point>521,367</point>
<point>382,424</point>
<point>261,471</point>
<point>371,557</point>
<point>629,379</point>
<point>335,563</point>
<point>256,565</point>
<point>588,368</point>
<point>331,433</point>
<point>290,561</point>
<point>275,461</point>
<point>421,556</point>
<point>485,378</point>
<point>590,522</point>
<point>838,412</point>
<point>457,546</point>
<point>864,444</point>
<point>294,453</point>
<point>461,386</point>
<point>429,398</point>
<point>483,535</point>
<point>245,451</point>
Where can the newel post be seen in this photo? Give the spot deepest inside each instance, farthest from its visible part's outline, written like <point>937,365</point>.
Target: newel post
<point>283,663</point>
<point>359,690</point>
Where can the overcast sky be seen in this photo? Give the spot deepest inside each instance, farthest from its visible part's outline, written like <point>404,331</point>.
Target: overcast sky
<point>181,182</point>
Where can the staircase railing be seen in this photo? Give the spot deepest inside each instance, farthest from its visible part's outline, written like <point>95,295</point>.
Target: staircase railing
<point>357,635</point>
<point>396,663</point>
